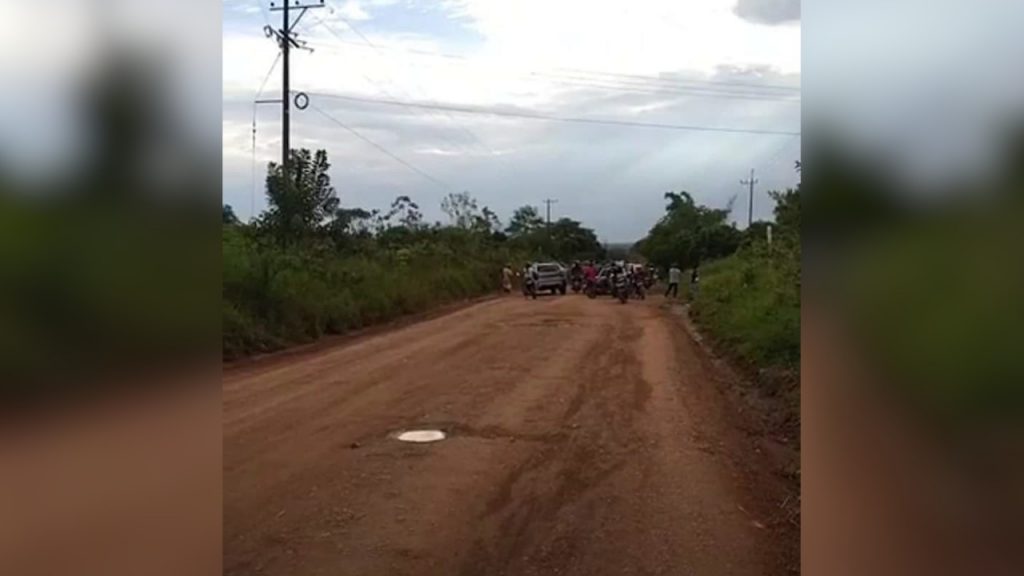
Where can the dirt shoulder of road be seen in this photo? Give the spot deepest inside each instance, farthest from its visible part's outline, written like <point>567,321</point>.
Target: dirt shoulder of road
<point>764,415</point>
<point>769,397</point>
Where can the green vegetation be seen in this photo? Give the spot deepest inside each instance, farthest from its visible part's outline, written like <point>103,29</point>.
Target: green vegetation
<point>308,267</point>
<point>749,302</point>
<point>565,240</point>
<point>688,234</point>
<point>276,296</point>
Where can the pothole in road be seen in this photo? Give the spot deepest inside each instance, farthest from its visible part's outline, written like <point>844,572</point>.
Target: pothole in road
<point>421,436</point>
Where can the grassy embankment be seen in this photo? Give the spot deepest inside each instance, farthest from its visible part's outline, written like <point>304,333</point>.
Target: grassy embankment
<point>274,297</point>
<point>748,304</point>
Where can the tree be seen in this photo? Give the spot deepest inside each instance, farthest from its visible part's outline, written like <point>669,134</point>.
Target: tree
<point>408,212</point>
<point>787,209</point>
<point>570,240</point>
<point>525,220</point>
<point>757,231</point>
<point>688,233</point>
<point>227,216</point>
<point>566,239</point>
<point>487,222</point>
<point>350,222</point>
<point>461,209</point>
<point>303,205</point>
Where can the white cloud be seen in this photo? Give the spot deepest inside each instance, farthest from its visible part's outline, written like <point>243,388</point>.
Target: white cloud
<point>353,10</point>
<point>644,61</point>
<point>645,37</point>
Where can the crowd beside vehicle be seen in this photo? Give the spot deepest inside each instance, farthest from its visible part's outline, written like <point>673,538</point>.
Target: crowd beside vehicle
<point>619,279</point>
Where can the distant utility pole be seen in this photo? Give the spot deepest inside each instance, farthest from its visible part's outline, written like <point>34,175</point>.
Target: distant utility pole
<point>549,202</point>
<point>750,211</point>
<point>286,40</point>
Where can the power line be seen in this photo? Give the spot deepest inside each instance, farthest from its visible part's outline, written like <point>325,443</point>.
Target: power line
<point>695,92</point>
<point>771,160</point>
<point>256,101</point>
<point>540,116</point>
<point>571,72</point>
<point>472,136</point>
<point>681,82</point>
<point>711,90</point>
<point>267,77</point>
<point>263,10</point>
<point>625,84</point>
<point>355,133</point>
<point>377,85</point>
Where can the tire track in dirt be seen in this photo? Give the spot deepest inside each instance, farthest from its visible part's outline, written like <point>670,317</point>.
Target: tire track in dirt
<point>571,451</point>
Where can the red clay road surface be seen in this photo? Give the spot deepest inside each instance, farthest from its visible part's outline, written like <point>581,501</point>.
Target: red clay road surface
<point>586,437</point>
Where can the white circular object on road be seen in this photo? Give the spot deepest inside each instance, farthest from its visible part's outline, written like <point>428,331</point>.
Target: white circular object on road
<point>421,436</point>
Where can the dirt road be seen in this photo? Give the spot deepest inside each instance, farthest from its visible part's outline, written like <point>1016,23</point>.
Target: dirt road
<point>586,437</point>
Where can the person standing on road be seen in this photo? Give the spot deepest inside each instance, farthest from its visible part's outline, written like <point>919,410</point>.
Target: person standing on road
<point>529,274</point>
<point>576,271</point>
<point>674,275</point>
<point>589,272</point>
<point>506,278</point>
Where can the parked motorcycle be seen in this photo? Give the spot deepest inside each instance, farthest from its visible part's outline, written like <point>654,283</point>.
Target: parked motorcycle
<point>598,286</point>
<point>650,279</point>
<point>638,289</point>
<point>621,288</point>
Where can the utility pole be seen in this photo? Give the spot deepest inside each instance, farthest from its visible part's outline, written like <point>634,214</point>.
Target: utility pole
<point>750,211</point>
<point>286,114</point>
<point>549,202</point>
<point>286,40</point>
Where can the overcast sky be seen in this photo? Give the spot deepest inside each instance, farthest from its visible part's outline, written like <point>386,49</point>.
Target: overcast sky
<point>715,64</point>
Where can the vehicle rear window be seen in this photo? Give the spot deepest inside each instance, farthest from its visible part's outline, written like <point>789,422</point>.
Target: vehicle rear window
<point>548,268</point>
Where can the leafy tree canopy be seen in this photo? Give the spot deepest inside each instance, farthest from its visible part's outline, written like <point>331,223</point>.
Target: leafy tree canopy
<point>688,233</point>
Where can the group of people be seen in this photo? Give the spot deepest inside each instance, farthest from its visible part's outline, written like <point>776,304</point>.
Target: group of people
<point>507,274</point>
<point>589,272</point>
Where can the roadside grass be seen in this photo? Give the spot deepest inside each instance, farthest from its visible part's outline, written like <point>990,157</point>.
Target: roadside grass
<point>748,305</point>
<point>751,305</point>
<point>274,298</point>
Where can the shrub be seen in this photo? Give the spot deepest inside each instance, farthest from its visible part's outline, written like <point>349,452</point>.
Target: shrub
<point>750,303</point>
<point>275,296</point>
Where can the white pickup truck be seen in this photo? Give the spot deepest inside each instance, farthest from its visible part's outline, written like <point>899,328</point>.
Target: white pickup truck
<point>549,276</point>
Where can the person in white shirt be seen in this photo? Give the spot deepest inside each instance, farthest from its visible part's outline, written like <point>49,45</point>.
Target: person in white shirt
<point>506,278</point>
<point>674,275</point>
